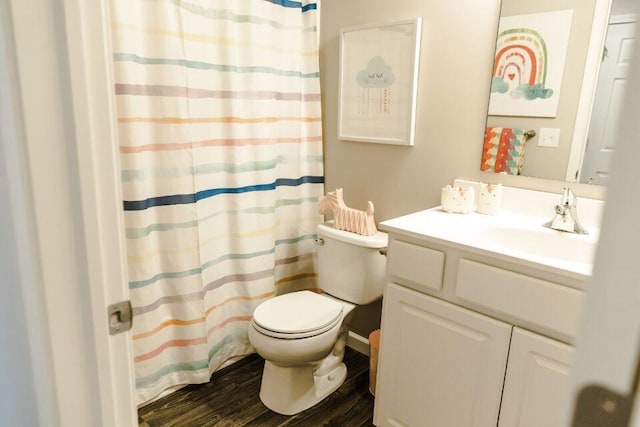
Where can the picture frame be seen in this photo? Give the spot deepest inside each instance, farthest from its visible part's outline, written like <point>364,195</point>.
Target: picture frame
<point>379,82</point>
<point>529,64</point>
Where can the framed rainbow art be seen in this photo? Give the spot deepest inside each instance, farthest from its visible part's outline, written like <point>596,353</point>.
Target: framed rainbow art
<point>529,64</point>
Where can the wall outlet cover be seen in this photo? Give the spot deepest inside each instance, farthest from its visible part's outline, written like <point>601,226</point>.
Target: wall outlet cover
<point>549,137</point>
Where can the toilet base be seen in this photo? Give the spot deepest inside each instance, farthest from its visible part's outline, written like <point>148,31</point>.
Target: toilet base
<point>290,390</point>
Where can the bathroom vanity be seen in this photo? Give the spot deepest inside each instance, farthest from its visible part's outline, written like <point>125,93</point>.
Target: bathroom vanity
<point>480,314</point>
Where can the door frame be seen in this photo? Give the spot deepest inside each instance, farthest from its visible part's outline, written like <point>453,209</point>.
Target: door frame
<point>588,89</point>
<point>72,252</point>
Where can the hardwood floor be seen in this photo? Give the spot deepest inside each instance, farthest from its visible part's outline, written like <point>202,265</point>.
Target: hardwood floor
<point>231,399</point>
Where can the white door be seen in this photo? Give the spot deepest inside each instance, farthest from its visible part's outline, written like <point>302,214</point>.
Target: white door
<point>63,149</point>
<point>440,365</point>
<point>608,346</point>
<point>537,382</point>
<point>612,85</point>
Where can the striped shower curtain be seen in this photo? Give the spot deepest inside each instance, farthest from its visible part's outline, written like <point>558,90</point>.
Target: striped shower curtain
<point>218,106</point>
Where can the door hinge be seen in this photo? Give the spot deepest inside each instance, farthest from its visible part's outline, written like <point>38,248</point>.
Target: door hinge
<point>120,316</point>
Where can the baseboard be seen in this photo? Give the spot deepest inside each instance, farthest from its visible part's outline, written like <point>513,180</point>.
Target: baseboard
<point>358,343</point>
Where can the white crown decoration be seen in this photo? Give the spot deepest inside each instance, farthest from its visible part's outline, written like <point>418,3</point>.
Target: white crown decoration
<point>489,199</point>
<point>457,199</point>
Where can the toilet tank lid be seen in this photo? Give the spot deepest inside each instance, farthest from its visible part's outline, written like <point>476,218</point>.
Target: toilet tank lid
<point>375,241</point>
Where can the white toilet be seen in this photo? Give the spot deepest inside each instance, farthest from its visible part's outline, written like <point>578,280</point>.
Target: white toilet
<point>302,335</point>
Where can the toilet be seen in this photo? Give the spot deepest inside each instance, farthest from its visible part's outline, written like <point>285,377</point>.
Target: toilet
<point>302,335</point>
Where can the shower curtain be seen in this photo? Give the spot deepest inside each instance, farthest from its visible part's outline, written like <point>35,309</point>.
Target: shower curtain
<point>219,120</point>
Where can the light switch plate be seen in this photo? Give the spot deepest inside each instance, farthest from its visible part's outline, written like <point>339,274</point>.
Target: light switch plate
<point>549,137</point>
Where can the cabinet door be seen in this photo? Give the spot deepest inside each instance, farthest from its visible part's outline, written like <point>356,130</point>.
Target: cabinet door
<point>537,380</point>
<point>439,365</point>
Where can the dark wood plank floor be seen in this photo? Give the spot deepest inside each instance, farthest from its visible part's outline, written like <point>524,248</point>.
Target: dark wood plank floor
<point>231,399</point>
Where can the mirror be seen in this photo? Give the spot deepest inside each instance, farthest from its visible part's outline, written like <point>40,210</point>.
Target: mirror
<point>556,88</point>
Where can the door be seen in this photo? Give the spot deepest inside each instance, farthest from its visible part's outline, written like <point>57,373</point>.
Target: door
<point>537,382</point>
<point>608,346</point>
<point>440,365</point>
<point>65,151</point>
<point>612,85</point>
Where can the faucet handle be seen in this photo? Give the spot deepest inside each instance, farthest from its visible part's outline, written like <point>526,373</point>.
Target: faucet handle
<point>568,198</point>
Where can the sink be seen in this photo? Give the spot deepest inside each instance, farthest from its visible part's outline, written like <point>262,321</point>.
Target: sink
<point>538,241</point>
<point>515,238</point>
<point>516,235</point>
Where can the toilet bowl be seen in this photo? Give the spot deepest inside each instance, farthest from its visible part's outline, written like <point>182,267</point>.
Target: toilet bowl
<point>302,335</point>
<point>303,364</point>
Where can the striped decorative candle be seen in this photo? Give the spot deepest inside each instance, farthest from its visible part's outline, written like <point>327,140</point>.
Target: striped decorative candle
<point>219,121</point>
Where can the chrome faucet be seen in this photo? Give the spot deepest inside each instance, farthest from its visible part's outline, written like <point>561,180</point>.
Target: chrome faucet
<point>566,218</point>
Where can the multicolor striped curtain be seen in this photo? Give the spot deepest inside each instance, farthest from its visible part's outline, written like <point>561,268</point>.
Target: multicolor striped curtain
<point>218,107</point>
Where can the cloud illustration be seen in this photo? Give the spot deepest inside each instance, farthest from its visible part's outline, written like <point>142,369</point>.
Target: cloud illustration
<point>377,74</point>
<point>499,85</point>
<point>531,92</point>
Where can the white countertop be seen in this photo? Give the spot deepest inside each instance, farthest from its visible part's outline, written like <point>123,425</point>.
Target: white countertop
<point>509,236</point>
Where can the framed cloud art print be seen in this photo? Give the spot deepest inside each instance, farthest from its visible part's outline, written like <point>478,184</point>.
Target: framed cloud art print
<point>378,82</point>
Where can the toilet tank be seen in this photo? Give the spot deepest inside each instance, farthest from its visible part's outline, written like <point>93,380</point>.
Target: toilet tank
<point>350,266</point>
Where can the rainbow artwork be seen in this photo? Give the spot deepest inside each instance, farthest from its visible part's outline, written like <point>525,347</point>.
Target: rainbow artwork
<point>520,65</point>
<point>529,63</point>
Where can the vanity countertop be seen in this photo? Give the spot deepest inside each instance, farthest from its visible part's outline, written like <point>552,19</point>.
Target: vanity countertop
<point>508,236</point>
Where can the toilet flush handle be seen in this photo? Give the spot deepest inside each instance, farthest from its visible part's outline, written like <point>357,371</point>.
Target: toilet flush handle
<point>320,242</point>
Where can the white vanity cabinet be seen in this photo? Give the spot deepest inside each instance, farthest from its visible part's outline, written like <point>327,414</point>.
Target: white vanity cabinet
<point>537,378</point>
<point>465,338</point>
<point>443,365</point>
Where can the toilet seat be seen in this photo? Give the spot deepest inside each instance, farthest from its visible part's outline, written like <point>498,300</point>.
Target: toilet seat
<point>297,315</point>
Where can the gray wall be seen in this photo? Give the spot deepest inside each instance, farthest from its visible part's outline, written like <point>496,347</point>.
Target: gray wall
<point>623,7</point>
<point>458,41</point>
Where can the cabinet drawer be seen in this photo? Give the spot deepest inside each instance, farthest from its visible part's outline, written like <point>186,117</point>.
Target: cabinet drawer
<point>549,305</point>
<point>416,264</point>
